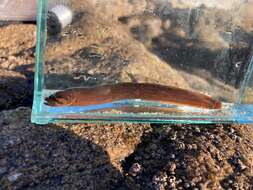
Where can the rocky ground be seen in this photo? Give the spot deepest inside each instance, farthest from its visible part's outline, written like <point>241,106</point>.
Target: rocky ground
<point>123,156</point>
<point>110,156</point>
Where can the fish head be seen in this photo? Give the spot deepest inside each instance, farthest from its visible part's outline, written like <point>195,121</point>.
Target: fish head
<point>61,98</point>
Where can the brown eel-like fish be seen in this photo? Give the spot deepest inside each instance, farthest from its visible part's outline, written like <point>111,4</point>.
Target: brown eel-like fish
<point>144,91</point>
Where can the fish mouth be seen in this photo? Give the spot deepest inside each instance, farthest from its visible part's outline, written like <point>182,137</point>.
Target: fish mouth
<point>50,101</point>
<point>54,101</point>
<point>57,99</point>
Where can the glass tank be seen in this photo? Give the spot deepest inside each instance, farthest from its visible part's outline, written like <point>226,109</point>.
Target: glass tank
<point>144,61</point>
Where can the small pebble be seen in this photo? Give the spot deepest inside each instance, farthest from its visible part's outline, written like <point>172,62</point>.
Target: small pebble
<point>172,178</point>
<point>187,185</point>
<point>197,130</point>
<point>172,181</point>
<point>174,136</point>
<point>181,146</point>
<point>242,166</point>
<point>3,170</point>
<point>189,147</point>
<point>135,169</point>
<point>172,156</point>
<point>179,181</point>
<point>231,130</point>
<point>167,24</point>
<point>172,168</point>
<point>194,146</point>
<point>234,137</point>
<point>14,177</point>
<point>211,136</point>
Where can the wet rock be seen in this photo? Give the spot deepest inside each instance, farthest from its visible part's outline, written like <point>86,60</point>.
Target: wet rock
<point>206,166</point>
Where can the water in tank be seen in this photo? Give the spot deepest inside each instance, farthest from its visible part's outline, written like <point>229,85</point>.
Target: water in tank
<point>144,61</point>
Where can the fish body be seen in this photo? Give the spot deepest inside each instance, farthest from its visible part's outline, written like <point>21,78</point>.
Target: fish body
<point>121,91</point>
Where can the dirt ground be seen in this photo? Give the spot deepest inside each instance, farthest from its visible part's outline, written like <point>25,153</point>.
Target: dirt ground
<point>123,156</point>
<point>112,156</point>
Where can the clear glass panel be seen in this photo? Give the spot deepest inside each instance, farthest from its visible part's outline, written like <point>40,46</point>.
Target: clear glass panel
<point>246,91</point>
<point>143,60</point>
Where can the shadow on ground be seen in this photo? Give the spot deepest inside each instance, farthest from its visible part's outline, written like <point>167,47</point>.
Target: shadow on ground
<point>16,89</point>
<point>50,157</point>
